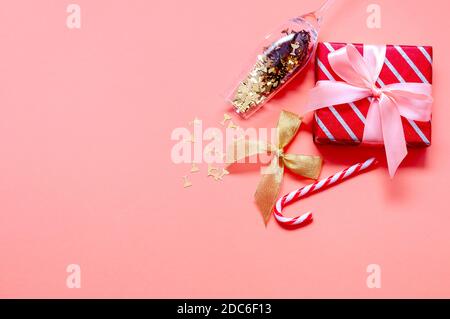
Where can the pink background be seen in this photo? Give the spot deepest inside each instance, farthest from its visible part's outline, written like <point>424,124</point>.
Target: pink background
<point>86,175</point>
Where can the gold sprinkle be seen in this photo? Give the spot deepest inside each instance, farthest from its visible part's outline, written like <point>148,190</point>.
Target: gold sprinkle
<point>225,172</point>
<point>186,182</point>
<point>194,168</point>
<point>219,176</point>
<point>211,170</point>
<point>232,125</point>
<point>226,118</point>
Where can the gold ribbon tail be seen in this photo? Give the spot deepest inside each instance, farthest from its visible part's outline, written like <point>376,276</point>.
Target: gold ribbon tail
<point>269,188</point>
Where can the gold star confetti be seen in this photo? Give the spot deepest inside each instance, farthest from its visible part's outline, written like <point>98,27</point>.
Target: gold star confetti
<point>219,176</point>
<point>212,170</point>
<point>194,168</point>
<point>226,118</point>
<point>232,125</point>
<point>186,182</point>
<point>224,172</point>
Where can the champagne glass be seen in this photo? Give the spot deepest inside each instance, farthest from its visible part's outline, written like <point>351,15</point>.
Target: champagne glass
<point>283,54</point>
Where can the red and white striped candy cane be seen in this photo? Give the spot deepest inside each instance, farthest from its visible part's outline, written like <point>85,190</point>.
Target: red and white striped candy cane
<point>312,188</point>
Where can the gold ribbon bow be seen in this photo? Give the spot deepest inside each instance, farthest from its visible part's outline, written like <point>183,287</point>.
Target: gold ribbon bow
<point>272,176</point>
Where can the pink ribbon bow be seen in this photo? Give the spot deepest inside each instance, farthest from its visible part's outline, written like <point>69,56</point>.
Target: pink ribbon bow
<point>383,123</point>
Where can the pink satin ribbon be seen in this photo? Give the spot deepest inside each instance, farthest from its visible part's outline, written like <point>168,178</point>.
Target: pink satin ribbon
<point>383,123</point>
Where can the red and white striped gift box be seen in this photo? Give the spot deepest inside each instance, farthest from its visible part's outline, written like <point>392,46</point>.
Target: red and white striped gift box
<point>344,124</point>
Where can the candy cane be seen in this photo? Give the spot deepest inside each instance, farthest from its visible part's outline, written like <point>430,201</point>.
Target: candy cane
<point>312,188</point>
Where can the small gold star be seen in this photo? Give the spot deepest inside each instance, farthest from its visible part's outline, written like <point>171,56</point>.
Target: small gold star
<point>186,182</point>
<point>219,176</point>
<point>232,125</point>
<point>194,168</point>
<point>226,118</point>
<point>211,170</point>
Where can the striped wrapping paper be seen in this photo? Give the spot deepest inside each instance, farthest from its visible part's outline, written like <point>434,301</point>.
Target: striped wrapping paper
<point>344,124</point>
